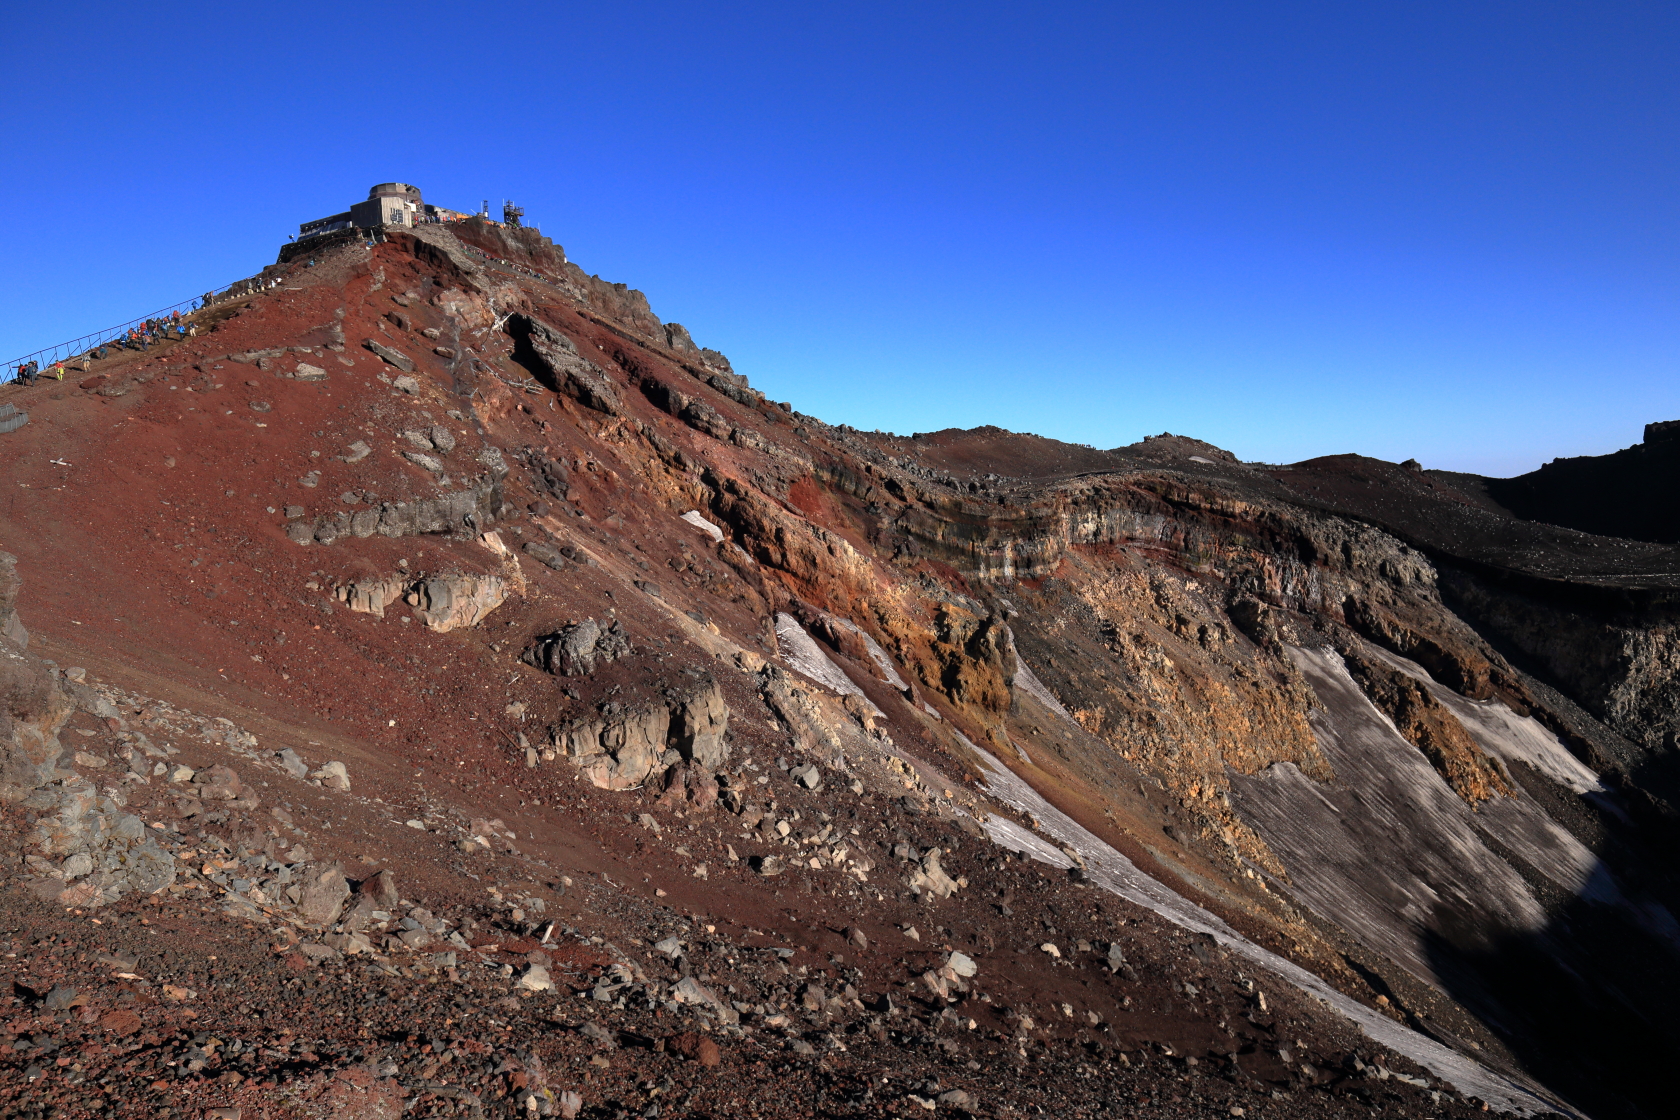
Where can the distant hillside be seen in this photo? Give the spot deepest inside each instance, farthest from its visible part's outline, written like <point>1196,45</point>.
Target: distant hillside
<point>1628,493</point>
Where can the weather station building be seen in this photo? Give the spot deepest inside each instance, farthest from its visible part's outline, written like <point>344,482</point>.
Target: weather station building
<point>387,205</point>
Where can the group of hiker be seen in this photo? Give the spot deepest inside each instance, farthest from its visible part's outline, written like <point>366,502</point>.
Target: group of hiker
<point>164,328</point>
<point>167,328</point>
<point>31,371</point>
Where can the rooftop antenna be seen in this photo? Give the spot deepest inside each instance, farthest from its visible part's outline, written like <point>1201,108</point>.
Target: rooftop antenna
<point>511,214</point>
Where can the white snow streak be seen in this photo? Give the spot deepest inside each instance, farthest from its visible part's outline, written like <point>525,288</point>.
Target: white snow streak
<point>1108,869</point>
<point>802,652</point>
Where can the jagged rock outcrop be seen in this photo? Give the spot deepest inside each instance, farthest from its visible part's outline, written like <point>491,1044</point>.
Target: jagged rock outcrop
<point>699,727</point>
<point>463,512</point>
<point>11,626</point>
<point>689,408</point>
<point>442,602</point>
<point>555,359</point>
<point>802,711</point>
<point>576,650</point>
<point>32,705</point>
<point>372,596</point>
<point>1431,727</point>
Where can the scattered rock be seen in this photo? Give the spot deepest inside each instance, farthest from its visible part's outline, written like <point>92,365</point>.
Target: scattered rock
<point>380,888</point>
<point>390,357</point>
<point>121,1022</point>
<point>695,1047</point>
<point>930,877</point>
<point>334,775</point>
<point>546,554</point>
<point>218,783</point>
<point>691,991</point>
<point>424,461</point>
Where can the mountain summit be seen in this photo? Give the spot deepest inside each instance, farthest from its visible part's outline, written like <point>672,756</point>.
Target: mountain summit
<point>439,687</point>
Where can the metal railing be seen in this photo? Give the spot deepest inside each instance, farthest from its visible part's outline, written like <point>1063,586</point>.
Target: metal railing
<point>65,351</point>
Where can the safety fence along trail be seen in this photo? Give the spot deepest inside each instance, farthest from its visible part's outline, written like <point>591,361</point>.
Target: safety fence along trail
<point>176,316</point>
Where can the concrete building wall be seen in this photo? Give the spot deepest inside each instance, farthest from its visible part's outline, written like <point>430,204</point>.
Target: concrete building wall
<point>387,204</point>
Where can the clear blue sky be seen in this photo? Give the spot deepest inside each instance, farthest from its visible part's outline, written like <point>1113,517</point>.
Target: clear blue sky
<point>1441,230</point>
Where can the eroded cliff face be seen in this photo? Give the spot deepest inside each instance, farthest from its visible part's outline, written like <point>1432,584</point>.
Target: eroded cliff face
<point>1616,655</point>
<point>1155,599</point>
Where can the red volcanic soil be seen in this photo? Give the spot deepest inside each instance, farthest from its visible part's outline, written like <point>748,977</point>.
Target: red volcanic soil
<point>148,504</point>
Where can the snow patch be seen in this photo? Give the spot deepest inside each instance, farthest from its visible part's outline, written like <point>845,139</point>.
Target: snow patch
<point>1027,681</point>
<point>878,655</point>
<point>1504,734</point>
<point>693,518</point>
<point>805,656</point>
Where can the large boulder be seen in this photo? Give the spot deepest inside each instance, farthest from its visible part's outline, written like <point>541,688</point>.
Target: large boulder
<point>622,748</point>
<point>452,602</point>
<point>699,722</point>
<point>322,893</point>
<point>618,749</point>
